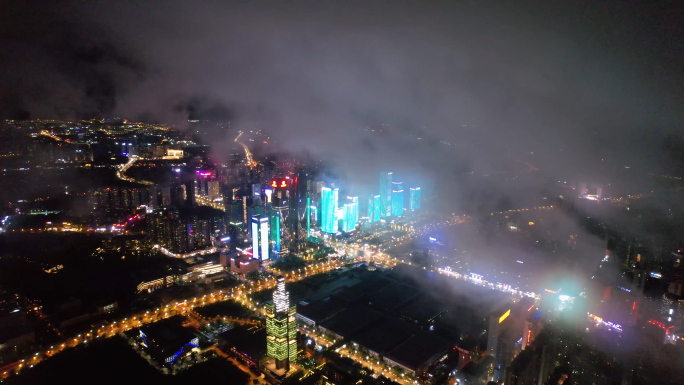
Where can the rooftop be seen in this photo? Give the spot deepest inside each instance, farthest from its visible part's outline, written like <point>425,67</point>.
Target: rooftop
<point>418,350</point>
<point>352,320</point>
<point>168,335</point>
<point>250,340</point>
<point>394,296</point>
<point>385,335</point>
<point>323,309</point>
<point>423,309</point>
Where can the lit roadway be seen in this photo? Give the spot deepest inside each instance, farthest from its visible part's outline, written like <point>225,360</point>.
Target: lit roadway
<point>48,134</point>
<point>121,169</point>
<point>107,330</point>
<point>238,294</point>
<point>248,154</point>
<point>203,201</point>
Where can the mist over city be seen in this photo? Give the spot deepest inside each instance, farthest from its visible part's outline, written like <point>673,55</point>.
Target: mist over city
<point>329,192</point>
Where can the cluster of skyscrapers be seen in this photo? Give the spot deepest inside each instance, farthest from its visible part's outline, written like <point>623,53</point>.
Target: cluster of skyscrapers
<point>390,202</point>
<point>330,212</point>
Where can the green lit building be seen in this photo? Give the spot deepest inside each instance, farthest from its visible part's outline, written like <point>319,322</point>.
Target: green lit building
<point>414,198</point>
<point>281,328</point>
<point>274,221</point>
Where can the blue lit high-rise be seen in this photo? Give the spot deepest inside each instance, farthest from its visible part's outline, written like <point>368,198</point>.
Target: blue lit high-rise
<point>397,199</point>
<point>385,194</point>
<point>329,198</point>
<point>414,198</point>
<point>351,214</point>
<point>260,239</point>
<point>374,208</point>
<point>371,216</point>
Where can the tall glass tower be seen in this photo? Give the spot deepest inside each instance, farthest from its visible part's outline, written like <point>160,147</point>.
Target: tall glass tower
<point>329,198</point>
<point>397,199</point>
<point>281,328</point>
<point>414,198</point>
<point>260,237</point>
<point>371,216</point>
<point>274,221</point>
<point>377,208</point>
<point>385,194</point>
<point>351,214</point>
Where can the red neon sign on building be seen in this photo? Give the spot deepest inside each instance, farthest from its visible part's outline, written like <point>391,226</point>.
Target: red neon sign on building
<point>279,183</point>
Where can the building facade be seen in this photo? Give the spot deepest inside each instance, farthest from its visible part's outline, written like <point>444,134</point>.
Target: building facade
<point>329,202</point>
<point>351,214</point>
<point>397,199</point>
<point>260,240</point>
<point>385,194</point>
<point>414,198</point>
<point>281,328</point>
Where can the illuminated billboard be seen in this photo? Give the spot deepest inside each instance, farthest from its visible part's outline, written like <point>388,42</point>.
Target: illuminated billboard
<point>279,183</point>
<point>504,316</point>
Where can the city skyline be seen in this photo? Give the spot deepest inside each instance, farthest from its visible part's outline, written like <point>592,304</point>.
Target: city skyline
<point>341,193</point>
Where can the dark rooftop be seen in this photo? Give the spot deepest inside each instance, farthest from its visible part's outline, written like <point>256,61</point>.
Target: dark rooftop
<point>384,335</point>
<point>423,309</point>
<point>168,335</point>
<point>418,350</point>
<point>322,310</point>
<point>349,294</point>
<point>352,320</point>
<point>368,286</point>
<point>250,340</point>
<point>394,296</point>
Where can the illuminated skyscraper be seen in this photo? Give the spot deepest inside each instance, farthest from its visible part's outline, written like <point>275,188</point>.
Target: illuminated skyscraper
<point>351,214</point>
<point>274,222</point>
<point>377,207</point>
<point>214,189</point>
<point>414,198</point>
<point>329,199</point>
<point>256,190</point>
<point>260,237</point>
<point>374,208</point>
<point>371,211</point>
<point>308,215</point>
<point>397,199</point>
<point>386,194</point>
<point>281,328</point>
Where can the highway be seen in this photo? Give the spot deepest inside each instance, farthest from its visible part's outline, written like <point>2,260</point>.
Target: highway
<point>111,329</point>
<point>248,154</point>
<point>121,170</point>
<point>202,201</point>
<point>240,294</point>
<point>49,135</point>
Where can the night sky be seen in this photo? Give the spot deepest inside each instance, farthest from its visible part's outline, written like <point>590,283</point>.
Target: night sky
<point>571,83</point>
